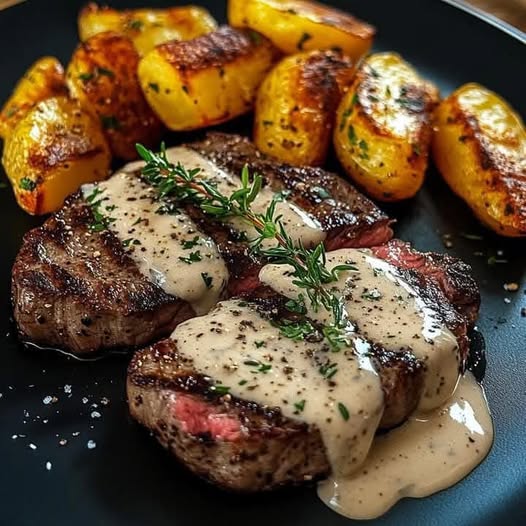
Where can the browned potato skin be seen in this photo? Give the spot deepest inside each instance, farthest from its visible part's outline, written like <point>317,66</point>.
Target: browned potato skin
<point>479,146</point>
<point>383,127</point>
<point>147,28</point>
<point>54,149</point>
<point>208,80</point>
<point>296,104</point>
<point>102,75</point>
<point>299,25</point>
<point>44,79</point>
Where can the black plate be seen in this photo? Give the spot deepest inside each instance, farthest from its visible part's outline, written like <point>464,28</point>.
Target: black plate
<point>127,479</point>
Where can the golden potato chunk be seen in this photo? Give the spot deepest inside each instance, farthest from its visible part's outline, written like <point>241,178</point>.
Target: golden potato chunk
<point>296,103</point>
<point>44,79</point>
<point>147,28</point>
<point>102,75</point>
<point>298,25</point>
<point>53,150</point>
<point>208,80</point>
<point>479,146</point>
<point>383,127</point>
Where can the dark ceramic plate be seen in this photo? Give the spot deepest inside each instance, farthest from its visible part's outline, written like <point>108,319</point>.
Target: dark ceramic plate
<point>127,479</point>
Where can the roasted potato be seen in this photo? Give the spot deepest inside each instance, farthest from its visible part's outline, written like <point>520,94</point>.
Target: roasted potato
<point>208,80</point>
<point>44,79</point>
<point>102,75</point>
<point>479,146</point>
<point>296,103</point>
<point>54,149</point>
<point>383,127</point>
<point>147,28</point>
<point>298,25</point>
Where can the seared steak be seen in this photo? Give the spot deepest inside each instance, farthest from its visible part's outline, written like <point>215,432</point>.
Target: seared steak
<point>242,445</point>
<point>78,289</point>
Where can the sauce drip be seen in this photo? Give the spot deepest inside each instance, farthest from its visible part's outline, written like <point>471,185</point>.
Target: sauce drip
<point>430,452</point>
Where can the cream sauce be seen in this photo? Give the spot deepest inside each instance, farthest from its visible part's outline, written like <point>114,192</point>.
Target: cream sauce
<point>299,225</point>
<point>385,309</point>
<point>237,347</point>
<point>161,244</point>
<point>430,452</point>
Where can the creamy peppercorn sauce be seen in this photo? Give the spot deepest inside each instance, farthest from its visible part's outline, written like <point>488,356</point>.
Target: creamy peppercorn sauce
<point>169,248</point>
<point>340,392</point>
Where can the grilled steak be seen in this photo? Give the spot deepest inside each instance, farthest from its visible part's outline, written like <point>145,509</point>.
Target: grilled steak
<point>77,288</point>
<point>242,445</point>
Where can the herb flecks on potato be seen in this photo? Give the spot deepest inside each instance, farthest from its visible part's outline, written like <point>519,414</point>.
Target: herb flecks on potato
<point>147,28</point>
<point>102,76</point>
<point>53,150</point>
<point>296,104</point>
<point>44,79</point>
<point>299,25</point>
<point>383,127</point>
<point>208,80</point>
<point>479,146</point>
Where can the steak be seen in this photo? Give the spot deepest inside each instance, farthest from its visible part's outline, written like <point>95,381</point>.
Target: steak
<point>244,446</point>
<point>79,290</point>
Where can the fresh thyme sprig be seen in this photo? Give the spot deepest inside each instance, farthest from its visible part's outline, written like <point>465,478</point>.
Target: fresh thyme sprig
<point>310,271</point>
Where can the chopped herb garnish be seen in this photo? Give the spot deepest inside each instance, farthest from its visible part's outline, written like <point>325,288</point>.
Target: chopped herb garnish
<point>261,367</point>
<point>343,411</point>
<point>302,40</point>
<point>190,243</point>
<point>416,149</point>
<point>259,343</point>
<point>363,145</point>
<point>352,134</point>
<point>220,389</point>
<point>135,24</point>
<point>297,330</point>
<point>328,370</point>
<point>103,71</point>
<point>185,88</point>
<point>345,116</point>
<point>101,221</point>
<point>136,222</point>
<point>388,91</point>
<point>154,87</point>
<point>255,37</point>
<point>110,122</point>
<point>297,306</point>
<point>207,279</point>
<point>243,382</point>
<point>85,77</point>
<point>194,257</point>
<point>300,406</point>
<point>27,184</point>
<point>267,123</point>
<point>11,111</point>
<point>98,71</point>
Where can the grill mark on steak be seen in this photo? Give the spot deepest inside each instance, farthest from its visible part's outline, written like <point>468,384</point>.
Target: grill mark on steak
<point>77,289</point>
